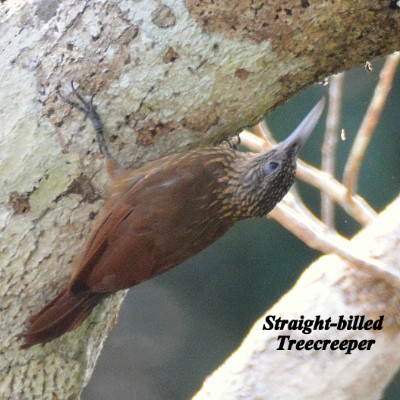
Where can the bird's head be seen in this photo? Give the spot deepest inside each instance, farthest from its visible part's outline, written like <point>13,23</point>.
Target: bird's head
<point>268,176</point>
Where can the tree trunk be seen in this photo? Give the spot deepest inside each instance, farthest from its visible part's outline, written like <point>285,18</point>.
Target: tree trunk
<point>166,77</point>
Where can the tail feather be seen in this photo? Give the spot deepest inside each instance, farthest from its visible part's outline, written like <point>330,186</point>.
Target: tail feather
<point>66,312</point>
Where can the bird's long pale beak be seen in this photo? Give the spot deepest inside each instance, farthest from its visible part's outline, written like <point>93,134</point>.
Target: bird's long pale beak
<point>300,135</point>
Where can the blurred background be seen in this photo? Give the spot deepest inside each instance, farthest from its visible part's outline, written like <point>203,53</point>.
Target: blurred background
<point>176,329</point>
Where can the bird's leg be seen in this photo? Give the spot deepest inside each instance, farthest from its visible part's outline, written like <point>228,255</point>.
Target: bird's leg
<point>234,142</point>
<point>89,109</point>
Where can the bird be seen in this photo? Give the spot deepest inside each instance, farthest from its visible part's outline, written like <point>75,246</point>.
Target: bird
<point>164,212</point>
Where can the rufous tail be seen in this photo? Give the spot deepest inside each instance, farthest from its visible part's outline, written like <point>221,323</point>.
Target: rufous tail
<point>66,312</point>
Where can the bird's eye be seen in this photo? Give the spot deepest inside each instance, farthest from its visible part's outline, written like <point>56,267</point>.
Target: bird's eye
<point>271,167</point>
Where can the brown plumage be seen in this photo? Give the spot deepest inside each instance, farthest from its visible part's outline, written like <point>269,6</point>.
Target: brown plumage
<point>161,214</point>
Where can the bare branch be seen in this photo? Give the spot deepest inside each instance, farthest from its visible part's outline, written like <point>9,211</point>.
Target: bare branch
<point>355,206</point>
<point>262,130</point>
<point>369,123</point>
<point>328,161</point>
<point>298,219</point>
<point>315,235</point>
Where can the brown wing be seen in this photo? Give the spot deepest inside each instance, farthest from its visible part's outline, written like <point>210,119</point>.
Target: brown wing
<point>160,220</point>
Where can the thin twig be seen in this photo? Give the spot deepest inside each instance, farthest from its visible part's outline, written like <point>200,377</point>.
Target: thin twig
<point>328,160</point>
<point>254,142</point>
<point>318,238</point>
<point>357,208</point>
<point>262,130</point>
<point>369,123</point>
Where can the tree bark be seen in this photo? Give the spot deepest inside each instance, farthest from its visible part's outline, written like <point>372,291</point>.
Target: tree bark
<point>166,77</point>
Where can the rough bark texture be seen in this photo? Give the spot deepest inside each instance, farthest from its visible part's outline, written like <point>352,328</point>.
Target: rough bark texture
<point>168,76</point>
<point>330,287</point>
